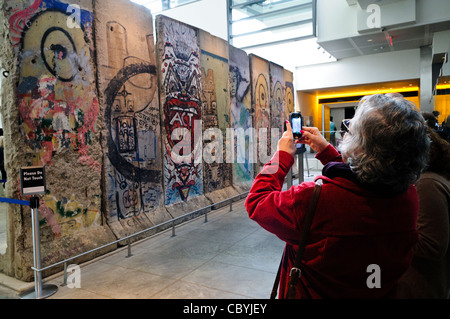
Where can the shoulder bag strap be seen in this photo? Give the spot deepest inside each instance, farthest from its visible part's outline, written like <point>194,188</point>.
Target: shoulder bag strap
<point>302,243</point>
<point>296,272</point>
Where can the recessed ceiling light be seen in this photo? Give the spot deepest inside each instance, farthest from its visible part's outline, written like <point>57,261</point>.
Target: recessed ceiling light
<point>369,40</point>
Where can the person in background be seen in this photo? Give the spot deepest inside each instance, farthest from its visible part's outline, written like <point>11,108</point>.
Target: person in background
<point>429,273</point>
<point>446,129</point>
<point>332,132</point>
<point>367,210</point>
<point>431,120</point>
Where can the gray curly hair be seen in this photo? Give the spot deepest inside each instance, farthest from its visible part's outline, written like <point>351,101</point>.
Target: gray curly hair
<point>387,143</point>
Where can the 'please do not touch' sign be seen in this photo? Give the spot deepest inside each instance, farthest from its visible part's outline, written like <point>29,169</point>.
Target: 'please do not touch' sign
<point>32,180</point>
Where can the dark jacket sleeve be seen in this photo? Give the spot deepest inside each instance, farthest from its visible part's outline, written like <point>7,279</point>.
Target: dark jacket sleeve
<point>433,220</point>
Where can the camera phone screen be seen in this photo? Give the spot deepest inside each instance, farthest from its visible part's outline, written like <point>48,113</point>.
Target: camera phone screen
<point>296,125</point>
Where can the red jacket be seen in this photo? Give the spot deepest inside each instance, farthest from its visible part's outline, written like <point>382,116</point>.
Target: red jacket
<point>352,229</point>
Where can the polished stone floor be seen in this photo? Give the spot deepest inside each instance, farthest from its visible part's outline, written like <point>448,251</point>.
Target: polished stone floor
<point>229,257</point>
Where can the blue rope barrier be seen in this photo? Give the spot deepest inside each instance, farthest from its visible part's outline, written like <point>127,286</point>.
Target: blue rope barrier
<point>14,201</point>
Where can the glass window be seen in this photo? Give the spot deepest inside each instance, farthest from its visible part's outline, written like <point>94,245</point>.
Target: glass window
<point>263,22</point>
<point>157,6</point>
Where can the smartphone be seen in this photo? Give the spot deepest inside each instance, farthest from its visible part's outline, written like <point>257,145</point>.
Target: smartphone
<point>296,120</point>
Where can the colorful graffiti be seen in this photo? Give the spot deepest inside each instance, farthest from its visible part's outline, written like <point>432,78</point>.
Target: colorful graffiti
<point>240,114</point>
<point>58,107</point>
<point>181,93</point>
<point>66,216</point>
<point>277,97</point>
<point>213,167</point>
<point>289,93</point>
<point>215,112</point>
<point>261,104</point>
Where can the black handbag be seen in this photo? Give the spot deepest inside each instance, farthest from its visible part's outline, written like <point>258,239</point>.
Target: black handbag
<point>296,272</point>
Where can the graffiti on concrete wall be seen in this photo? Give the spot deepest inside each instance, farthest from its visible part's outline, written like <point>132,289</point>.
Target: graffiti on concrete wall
<point>240,114</point>
<point>57,100</point>
<point>133,125</point>
<point>261,104</point>
<point>215,112</point>
<point>277,97</point>
<point>289,93</point>
<point>66,215</point>
<point>213,166</point>
<point>181,92</point>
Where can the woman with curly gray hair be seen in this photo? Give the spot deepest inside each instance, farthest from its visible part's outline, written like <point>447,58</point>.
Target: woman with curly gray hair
<point>386,145</point>
<point>364,229</point>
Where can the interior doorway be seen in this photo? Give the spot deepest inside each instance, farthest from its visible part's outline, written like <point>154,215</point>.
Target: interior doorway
<point>336,113</point>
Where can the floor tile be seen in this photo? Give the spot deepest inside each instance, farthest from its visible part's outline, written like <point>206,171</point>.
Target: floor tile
<point>241,280</point>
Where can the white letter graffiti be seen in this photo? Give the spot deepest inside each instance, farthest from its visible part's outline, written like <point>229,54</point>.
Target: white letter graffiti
<point>74,21</point>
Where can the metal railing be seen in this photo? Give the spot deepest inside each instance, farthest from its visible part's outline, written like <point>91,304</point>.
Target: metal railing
<point>205,210</point>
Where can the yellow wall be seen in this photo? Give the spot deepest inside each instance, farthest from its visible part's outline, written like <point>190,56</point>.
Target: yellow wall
<point>309,105</point>
<point>443,106</point>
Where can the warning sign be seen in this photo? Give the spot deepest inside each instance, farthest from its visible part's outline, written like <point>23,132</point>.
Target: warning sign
<point>32,180</point>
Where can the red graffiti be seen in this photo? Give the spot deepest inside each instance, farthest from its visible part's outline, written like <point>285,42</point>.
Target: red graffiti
<point>20,19</point>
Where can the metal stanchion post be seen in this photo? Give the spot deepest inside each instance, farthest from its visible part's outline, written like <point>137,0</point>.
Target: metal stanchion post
<point>129,249</point>
<point>65,275</point>
<point>173,229</point>
<point>40,291</point>
<point>301,171</point>
<point>289,181</point>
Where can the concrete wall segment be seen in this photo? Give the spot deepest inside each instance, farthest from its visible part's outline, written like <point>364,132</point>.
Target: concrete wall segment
<point>51,116</point>
<point>129,100</point>
<point>216,115</point>
<point>241,118</point>
<point>178,58</point>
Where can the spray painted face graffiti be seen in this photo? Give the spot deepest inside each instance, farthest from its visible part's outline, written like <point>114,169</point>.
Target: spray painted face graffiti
<point>57,101</point>
<point>181,109</point>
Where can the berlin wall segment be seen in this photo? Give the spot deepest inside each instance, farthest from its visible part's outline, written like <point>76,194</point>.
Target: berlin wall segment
<point>127,78</point>
<point>57,111</point>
